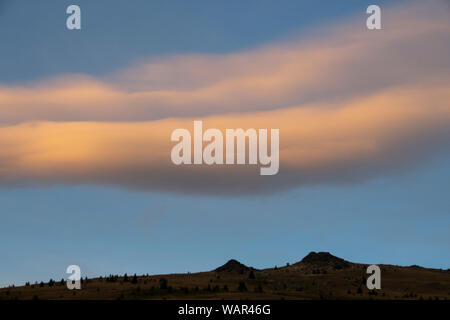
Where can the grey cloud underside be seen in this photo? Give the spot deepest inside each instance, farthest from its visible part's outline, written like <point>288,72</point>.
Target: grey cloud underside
<point>348,66</point>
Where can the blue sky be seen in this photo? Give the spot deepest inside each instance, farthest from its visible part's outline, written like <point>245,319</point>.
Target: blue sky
<point>117,33</point>
<point>393,218</point>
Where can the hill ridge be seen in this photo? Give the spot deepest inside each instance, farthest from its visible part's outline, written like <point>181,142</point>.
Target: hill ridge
<point>233,265</point>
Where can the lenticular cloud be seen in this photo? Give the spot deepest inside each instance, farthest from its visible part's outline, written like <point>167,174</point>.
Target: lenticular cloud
<point>350,104</point>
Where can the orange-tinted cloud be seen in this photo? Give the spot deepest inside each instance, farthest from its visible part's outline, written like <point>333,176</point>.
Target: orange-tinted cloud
<point>349,106</point>
<point>338,62</point>
<point>318,143</point>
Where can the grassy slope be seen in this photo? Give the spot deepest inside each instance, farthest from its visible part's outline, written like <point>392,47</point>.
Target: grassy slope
<point>292,282</point>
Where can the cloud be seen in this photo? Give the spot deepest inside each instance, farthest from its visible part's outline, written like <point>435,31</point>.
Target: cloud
<point>338,62</point>
<point>318,143</point>
<point>350,105</point>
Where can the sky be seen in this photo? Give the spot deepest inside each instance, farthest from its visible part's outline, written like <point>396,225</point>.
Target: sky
<point>86,116</point>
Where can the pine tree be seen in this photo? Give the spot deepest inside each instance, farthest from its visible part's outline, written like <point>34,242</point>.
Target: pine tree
<point>163,283</point>
<point>242,287</point>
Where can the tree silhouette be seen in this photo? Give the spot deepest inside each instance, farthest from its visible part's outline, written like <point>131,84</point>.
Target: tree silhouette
<point>163,283</point>
<point>242,287</point>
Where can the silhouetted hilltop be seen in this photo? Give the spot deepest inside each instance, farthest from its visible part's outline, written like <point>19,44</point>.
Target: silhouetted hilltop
<point>324,260</point>
<point>319,275</point>
<point>234,266</point>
